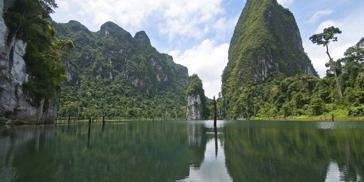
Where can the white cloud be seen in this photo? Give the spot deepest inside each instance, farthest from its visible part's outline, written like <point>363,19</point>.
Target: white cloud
<point>318,15</point>
<point>124,12</point>
<point>189,18</point>
<point>285,3</point>
<point>208,60</point>
<point>63,4</point>
<point>352,31</point>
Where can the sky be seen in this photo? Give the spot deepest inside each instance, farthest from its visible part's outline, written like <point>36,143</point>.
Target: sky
<point>197,33</point>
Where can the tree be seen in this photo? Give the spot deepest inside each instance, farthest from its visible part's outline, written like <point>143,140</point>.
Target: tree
<point>355,53</point>
<point>29,20</point>
<point>324,39</point>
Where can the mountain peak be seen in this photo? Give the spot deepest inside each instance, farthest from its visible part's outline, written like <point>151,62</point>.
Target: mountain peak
<point>266,41</point>
<point>266,45</point>
<point>111,29</point>
<point>142,38</point>
<point>110,25</point>
<point>76,26</point>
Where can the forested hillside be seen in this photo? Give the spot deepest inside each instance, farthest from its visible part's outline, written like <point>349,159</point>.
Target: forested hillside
<point>270,76</point>
<point>112,73</point>
<point>306,96</point>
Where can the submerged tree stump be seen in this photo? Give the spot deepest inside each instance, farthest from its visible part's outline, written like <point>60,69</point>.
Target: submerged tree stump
<point>214,112</point>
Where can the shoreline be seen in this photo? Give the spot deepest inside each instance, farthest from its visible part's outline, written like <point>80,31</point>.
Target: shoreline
<point>309,119</point>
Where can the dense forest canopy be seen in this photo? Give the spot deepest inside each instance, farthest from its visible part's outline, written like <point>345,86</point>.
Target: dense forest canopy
<point>304,96</point>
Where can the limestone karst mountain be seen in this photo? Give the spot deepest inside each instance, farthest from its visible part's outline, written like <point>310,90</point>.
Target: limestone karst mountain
<point>266,45</point>
<point>196,100</point>
<point>113,72</point>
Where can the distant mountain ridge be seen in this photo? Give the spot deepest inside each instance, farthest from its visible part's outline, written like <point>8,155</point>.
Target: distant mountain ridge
<point>119,71</point>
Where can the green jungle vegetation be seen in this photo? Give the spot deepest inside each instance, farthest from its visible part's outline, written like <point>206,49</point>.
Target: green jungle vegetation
<point>269,75</point>
<point>305,96</point>
<point>29,21</point>
<point>112,74</point>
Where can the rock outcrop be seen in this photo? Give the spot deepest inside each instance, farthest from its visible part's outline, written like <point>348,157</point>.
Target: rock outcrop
<point>142,38</point>
<point>194,107</point>
<point>196,100</point>
<point>16,106</point>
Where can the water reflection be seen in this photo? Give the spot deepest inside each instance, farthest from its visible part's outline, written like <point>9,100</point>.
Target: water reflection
<point>184,151</point>
<point>302,153</point>
<point>17,141</point>
<point>213,166</point>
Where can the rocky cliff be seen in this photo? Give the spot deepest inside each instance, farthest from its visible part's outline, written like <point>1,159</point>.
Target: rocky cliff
<point>194,107</point>
<point>196,100</point>
<point>16,105</point>
<point>266,43</point>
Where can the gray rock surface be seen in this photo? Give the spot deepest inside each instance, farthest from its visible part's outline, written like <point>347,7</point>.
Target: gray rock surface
<point>194,107</point>
<point>16,106</point>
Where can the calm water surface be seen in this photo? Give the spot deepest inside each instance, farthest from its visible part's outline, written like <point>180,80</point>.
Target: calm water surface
<point>184,151</point>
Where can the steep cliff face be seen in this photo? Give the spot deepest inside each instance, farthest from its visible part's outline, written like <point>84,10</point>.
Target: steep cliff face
<point>266,46</point>
<point>16,106</point>
<point>196,100</point>
<point>194,107</point>
<point>266,43</point>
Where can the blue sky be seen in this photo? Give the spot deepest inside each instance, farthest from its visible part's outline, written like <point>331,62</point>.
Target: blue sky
<point>197,33</point>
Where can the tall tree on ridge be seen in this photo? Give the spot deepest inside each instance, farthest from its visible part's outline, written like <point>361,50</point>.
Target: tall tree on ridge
<point>324,39</point>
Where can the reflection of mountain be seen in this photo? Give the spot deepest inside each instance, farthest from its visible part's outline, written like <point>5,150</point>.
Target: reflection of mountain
<point>172,151</point>
<point>285,154</point>
<point>196,142</point>
<point>15,141</point>
<point>210,164</point>
<point>213,167</point>
<point>123,152</point>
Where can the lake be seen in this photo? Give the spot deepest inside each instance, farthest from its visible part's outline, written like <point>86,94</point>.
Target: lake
<point>184,151</point>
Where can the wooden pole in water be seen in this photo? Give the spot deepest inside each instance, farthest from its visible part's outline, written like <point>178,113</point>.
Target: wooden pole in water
<point>214,112</point>
<point>216,146</point>
<point>103,122</point>
<point>215,128</point>
<point>332,117</point>
<point>89,132</point>
<point>89,126</point>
